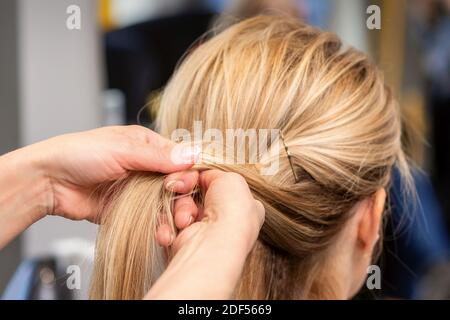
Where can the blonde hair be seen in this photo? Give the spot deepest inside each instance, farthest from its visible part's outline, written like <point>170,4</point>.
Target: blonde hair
<point>341,126</point>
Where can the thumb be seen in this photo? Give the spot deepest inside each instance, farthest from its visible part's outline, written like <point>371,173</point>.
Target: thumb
<point>207,177</point>
<point>152,152</point>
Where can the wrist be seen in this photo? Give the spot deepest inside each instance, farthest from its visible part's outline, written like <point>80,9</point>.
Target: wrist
<point>26,194</point>
<point>28,176</point>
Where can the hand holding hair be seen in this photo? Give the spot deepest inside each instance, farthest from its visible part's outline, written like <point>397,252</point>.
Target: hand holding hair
<point>214,241</point>
<point>58,176</point>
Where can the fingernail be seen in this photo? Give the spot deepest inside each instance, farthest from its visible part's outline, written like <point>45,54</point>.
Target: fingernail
<point>172,238</point>
<point>173,185</point>
<point>169,184</point>
<point>189,221</point>
<point>185,154</point>
<point>190,153</point>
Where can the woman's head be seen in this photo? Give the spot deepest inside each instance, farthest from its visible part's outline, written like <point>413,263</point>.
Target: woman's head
<point>340,126</point>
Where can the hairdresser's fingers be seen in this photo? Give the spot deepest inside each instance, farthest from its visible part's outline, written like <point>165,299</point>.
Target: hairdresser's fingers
<point>208,176</point>
<point>185,212</point>
<point>148,151</point>
<point>230,182</point>
<point>182,182</point>
<point>164,236</point>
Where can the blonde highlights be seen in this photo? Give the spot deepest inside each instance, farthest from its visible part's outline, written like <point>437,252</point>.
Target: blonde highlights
<point>340,124</point>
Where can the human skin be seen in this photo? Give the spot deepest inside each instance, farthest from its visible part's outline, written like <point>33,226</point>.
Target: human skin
<point>58,177</point>
<point>218,242</point>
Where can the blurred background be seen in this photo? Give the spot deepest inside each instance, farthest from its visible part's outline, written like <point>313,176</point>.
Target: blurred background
<point>54,80</point>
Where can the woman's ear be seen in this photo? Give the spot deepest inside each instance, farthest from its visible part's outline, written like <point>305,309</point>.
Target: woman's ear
<point>370,215</point>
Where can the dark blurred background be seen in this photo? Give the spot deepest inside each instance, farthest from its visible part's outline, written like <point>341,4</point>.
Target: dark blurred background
<point>54,80</point>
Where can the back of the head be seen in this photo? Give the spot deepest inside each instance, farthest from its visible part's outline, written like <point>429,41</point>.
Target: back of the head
<point>340,140</point>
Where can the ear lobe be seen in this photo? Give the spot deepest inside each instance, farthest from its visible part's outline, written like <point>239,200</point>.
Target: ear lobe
<point>370,220</point>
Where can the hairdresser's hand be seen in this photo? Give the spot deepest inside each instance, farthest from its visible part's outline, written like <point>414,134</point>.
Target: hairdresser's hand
<point>74,164</point>
<point>210,252</point>
<point>58,176</point>
<point>227,201</point>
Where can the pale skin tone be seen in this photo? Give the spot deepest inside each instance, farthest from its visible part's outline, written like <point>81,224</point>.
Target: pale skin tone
<point>352,253</point>
<point>57,177</point>
<point>215,245</point>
